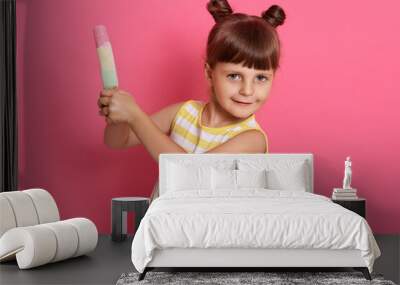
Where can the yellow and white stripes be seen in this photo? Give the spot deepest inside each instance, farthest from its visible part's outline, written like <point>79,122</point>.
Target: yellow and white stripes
<point>188,132</point>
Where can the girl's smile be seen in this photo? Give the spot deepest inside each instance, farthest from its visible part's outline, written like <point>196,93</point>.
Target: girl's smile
<point>243,103</point>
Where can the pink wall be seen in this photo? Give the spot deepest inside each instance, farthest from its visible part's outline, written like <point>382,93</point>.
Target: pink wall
<point>335,95</point>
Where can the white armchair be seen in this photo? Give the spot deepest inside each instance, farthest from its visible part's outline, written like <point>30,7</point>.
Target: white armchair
<point>32,233</point>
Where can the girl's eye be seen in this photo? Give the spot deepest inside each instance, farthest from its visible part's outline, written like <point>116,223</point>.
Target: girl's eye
<point>232,75</point>
<point>260,77</point>
<point>263,78</point>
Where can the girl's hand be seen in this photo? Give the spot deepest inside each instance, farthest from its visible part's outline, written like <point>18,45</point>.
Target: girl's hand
<point>118,106</point>
<point>103,102</point>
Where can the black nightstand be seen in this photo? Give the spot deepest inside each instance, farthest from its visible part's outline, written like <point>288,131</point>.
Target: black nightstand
<point>119,208</point>
<point>357,206</point>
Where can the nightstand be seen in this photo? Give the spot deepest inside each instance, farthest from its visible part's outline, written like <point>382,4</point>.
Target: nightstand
<point>119,208</point>
<point>357,206</point>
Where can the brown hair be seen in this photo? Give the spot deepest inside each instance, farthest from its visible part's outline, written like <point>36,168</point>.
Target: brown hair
<point>238,37</point>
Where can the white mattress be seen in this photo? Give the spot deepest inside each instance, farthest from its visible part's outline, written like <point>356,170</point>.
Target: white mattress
<point>250,218</point>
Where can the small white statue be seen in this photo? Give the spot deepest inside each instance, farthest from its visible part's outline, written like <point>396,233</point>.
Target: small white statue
<point>347,174</point>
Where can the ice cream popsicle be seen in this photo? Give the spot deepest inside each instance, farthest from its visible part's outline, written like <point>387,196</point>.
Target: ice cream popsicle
<point>106,57</point>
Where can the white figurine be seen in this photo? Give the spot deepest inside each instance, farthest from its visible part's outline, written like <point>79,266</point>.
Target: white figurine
<point>347,174</point>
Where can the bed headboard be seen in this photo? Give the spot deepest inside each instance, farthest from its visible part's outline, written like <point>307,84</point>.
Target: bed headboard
<point>216,158</point>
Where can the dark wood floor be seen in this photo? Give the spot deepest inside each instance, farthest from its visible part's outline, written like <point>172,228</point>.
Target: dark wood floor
<point>102,266</point>
<point>111,259</point>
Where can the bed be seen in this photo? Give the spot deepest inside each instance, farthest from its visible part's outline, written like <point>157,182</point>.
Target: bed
<point>247,210</point>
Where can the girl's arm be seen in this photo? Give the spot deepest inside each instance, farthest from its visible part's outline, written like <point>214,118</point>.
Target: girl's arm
<point>123,135</point>
<point>122,107</point>
<point>251,141</point>
<point>115,135</point>
<point>153,139</point>
<point>157,142</point>
<point>162,119</point>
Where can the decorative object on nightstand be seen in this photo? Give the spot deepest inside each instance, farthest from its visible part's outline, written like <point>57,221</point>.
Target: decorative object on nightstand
<point>347,173</point>
<point>356,205</point>
<point>119,208</point>
<point>347,192</point>
<point>344,194</point>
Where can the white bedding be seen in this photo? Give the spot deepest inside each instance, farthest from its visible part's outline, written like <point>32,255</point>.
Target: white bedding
<point>250,218</point>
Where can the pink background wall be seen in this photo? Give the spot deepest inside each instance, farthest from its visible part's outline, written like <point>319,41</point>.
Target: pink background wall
<point>335,95</point>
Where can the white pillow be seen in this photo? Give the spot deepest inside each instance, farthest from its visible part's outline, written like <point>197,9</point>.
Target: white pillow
<point>223,179</point>
<point>182,177</point>
<point>236,179</point>
<point>251,178</point>
<point>290,179</point>
<point>282,174</point>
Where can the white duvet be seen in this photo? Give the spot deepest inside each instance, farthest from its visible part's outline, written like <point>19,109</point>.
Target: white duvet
<point>250,218</point>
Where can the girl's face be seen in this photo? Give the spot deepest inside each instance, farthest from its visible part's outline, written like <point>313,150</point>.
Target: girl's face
<point>239,90</point>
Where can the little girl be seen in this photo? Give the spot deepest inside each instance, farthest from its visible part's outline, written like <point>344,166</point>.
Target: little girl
<point>242,58</point>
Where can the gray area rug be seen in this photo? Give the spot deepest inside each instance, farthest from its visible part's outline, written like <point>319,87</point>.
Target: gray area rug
<point>229,278</point>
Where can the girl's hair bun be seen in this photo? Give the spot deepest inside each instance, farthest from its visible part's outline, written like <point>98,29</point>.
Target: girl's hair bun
<point>274,15</point>
<point>219,9</point>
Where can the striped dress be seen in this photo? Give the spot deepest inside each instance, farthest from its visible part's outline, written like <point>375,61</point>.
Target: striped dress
<point>190,134</point>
